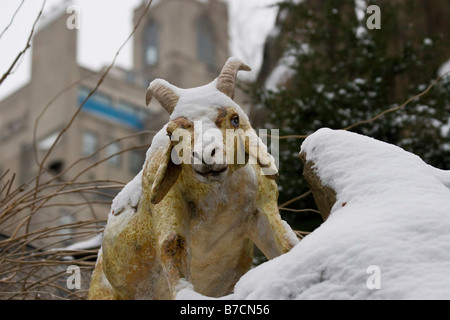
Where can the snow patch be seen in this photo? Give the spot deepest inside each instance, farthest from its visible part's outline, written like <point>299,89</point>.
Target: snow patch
<point>128,197</point>
<point>159,141</point>
<point>281,73</point>
<point>427,42</point>
<point>93,243</point>
<point>444,69</point>
<point>392,212</point>
<point>290,235</point>
<point>46,143</point>
<point>203,103</point>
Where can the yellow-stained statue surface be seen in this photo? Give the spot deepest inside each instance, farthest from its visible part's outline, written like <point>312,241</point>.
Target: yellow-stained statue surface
<point>192,220</point>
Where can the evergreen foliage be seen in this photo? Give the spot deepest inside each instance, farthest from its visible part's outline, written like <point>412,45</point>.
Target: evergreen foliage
<point>343,73</point>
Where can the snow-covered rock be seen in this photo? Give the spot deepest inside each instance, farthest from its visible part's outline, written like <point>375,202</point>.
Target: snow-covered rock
<point>388,235</point>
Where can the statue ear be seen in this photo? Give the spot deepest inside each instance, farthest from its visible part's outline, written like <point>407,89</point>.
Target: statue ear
<point>256,149</point>
<point>166,175</point>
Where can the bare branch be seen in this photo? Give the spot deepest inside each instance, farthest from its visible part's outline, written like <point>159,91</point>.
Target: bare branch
<point>299,210</point>
<point>27,46</point>
<point>12,19</point>
<point>304,195</point>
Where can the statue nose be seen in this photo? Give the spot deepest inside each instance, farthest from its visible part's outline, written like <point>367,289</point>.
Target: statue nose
<point>208,160</point>
<point>197,156</point>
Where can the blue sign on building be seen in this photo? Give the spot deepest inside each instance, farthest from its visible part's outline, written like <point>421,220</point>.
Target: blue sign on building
<point>101,106</point>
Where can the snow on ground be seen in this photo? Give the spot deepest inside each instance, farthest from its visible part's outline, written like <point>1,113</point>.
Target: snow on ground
<point>388,235</point>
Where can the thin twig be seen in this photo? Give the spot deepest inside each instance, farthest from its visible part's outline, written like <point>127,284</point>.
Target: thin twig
<point>12,19</point>
<point>304,195</point>
<point>27,46</point>
<point>4,174</point>
<point>10,184</point>
<point>300,210</point>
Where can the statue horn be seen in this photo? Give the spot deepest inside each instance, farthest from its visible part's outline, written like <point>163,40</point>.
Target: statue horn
<point>226,82</point>
<point>164,92</point>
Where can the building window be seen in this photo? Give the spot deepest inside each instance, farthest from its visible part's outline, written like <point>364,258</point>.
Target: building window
<point>13,127</point>
<point>151,43</point>
<point>56,166</point>
<point>136,161</point>
<point>206,46</point>
<point>114,148</point>
<point>89,143</point>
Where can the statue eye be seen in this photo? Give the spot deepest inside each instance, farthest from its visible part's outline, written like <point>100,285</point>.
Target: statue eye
<point>235,121</point>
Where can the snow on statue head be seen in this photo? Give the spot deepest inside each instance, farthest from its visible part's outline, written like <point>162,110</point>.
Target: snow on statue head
<point>206,194</point>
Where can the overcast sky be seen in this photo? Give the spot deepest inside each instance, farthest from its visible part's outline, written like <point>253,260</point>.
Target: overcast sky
<point>97,44</point>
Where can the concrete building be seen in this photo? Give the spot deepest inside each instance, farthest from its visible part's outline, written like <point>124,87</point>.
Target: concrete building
<point>182,41</point>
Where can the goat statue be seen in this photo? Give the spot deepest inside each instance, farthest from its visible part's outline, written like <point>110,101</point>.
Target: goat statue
<point>194,220</point>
